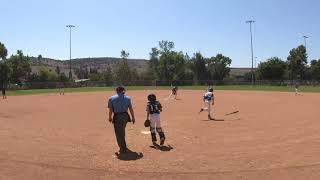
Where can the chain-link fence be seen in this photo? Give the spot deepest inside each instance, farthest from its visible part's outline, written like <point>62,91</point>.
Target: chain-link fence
<point>154,83</point>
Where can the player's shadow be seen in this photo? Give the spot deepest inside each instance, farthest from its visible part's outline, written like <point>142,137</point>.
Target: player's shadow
<point>162,148</point>
<point>130,156</point>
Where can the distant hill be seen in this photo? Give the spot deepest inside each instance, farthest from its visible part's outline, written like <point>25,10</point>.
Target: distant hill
<point>100,64</point>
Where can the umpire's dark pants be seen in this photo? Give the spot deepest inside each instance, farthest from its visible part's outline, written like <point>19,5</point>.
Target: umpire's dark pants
<point>120,121</point>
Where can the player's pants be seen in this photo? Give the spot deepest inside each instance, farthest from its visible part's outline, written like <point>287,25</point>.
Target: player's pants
<point>155,125</point>
<point>207,106</point>
<point>120,121</point>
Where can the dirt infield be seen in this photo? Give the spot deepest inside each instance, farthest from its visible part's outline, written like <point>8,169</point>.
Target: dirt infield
<point>275,136</point>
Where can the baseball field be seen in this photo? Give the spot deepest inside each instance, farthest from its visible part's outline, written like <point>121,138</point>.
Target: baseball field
<point>275,135</point>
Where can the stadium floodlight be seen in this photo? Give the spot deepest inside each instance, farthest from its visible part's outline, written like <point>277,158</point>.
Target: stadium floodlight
<point>70,27</point>
<point>252,72</point>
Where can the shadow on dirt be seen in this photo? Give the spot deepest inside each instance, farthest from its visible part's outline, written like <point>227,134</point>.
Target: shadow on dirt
<point>162,148</point>
<point>130,156</point>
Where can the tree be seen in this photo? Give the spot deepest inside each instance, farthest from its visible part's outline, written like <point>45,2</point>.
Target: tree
<point>124,55</point>
<point>171,64</point>
<point>151,72</point>
<point>247,76</point>
<point>198,66</point>
<point>273,69</point>
<point>4,68</point>
<point>62,77</point>
<point>96,76</point>
<point>166,46</point>
<point>20,66</point>
<point>58,70</point>
<point>3,52</point>
<point>297,61</point>
<point>123,72</point>
<point>218,67</point>
<point>47,75</point>
<point>39,58</point>
<point>108,75</point>
<point>4,74</point>
<point>315,69</point>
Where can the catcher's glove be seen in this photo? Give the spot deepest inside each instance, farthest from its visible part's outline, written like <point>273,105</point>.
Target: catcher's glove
<point>147,123</point>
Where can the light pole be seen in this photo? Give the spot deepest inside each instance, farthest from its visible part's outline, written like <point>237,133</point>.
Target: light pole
<point>305,41</point>
<point>255,62</point>
<point>252,73</point>
<point>70,72</point>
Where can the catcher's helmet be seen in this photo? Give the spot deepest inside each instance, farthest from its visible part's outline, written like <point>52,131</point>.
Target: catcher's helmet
<point>210,89</point>
<point>152,97</point>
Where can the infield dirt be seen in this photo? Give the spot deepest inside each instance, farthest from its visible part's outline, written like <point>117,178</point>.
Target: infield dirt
<point>274,136</point>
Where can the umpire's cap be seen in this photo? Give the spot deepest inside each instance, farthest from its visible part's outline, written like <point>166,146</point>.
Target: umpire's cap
<point>120,89</point>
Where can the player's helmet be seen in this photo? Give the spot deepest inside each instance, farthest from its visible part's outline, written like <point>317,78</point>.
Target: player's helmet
<point>210,89</point>
<point>152,97</point>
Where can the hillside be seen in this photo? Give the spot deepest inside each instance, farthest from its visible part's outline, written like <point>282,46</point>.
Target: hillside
<point>100,64</point>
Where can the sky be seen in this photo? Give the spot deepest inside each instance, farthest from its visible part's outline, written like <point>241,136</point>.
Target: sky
<point>105,27</point>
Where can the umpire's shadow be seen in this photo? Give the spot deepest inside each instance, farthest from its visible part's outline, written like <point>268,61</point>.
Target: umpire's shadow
<point>162,148</point>
<point>129,156</point>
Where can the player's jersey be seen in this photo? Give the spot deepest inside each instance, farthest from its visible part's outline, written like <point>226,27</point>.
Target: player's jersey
<point>174,90</point>
<point>154,107</point>
<point>208,96</point>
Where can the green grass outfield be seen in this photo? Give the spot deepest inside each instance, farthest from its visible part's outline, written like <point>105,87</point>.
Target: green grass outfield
<point>238,87</point>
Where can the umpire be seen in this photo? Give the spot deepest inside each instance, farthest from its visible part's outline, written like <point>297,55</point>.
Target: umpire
<point>118,107</point>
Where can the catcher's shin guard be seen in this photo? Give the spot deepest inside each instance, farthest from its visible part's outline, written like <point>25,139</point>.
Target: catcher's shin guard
<point>153,134</point>
<point>162,136</point>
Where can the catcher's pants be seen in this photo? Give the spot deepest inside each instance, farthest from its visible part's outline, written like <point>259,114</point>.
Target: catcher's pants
<point>207,107</point>
<point>155,125</point>
<point>155,121</point>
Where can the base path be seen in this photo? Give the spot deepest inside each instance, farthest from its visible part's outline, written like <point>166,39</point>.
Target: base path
<point>274,136</point>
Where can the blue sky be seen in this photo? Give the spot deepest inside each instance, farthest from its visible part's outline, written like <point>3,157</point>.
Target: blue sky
<point>105,27</point>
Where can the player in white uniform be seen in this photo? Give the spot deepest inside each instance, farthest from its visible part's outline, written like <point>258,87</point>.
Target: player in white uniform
<point>208,100</point>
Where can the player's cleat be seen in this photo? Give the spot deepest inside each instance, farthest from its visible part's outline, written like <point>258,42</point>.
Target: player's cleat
<point>162,141</point>
<point>154,143</point>
<point>201,110</point>
<point>210,118</point>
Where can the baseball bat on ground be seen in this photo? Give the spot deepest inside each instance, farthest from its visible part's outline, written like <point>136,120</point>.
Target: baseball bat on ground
<point>235,112</point>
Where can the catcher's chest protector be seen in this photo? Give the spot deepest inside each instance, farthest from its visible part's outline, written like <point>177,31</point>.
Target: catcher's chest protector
<point>154,107</point>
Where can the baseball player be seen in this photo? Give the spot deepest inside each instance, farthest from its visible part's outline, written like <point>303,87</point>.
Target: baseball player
<point>174,92</point>
<point>3,89</point>
<point>208,100</point>
<point>61,88</point>
<point>296,86</point>
<point>153,112</point>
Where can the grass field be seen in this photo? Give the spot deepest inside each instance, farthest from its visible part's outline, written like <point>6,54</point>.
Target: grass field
<point>233,87</point>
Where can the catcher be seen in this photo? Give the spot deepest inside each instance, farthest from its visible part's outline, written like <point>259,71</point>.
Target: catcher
<point>153,112</point>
